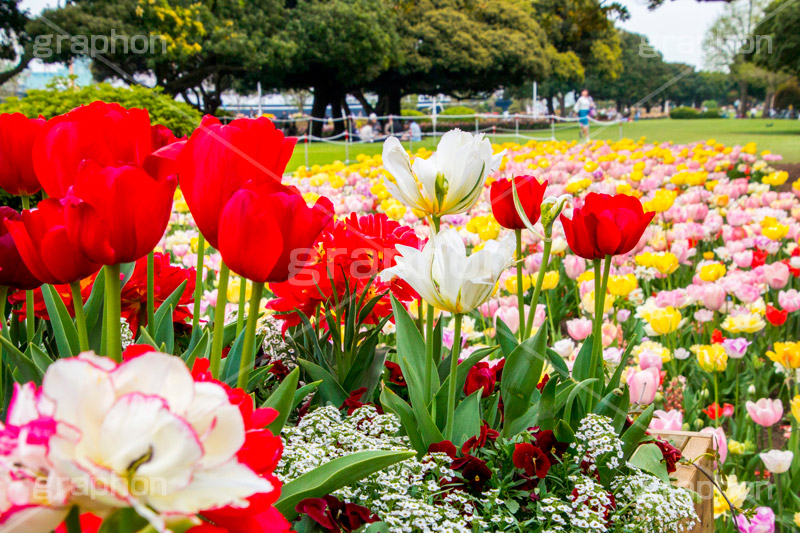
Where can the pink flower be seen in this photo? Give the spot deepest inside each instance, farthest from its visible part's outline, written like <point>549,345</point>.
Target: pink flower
<point>713,297</point>
<point>765,412</point>
<point>574,266</point>
<point>648,359</point>
<point>667,420</point>
<point>579,328</point>
<point>720,441</point>
<point>762,522</point>
<point>776,274</point>
<point>789,300</point>
<point>743,259</point>
<point>509,315</point>
<point>643,386</point>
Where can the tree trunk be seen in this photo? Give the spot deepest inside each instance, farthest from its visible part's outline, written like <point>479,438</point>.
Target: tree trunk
<point>336,114</point>
<point>550,109</point>
<point>27,57</point>
<point>365,105</point>
<point>743,99</point>
<point>321,101</point>
<point>562,105</point>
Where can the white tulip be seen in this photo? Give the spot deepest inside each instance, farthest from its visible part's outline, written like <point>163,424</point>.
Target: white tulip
<point>777,461</point>
<point>448,182</point>
<point>445,277</point>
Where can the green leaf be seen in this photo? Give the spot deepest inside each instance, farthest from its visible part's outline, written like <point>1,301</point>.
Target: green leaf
<point>648,457</point>
<point>615,406</point>
<point>94,305</point>
<point>330,390</point>
<point>614,382</point>
<point>165,331</point>
<point>334,475</point>
<point>377,527</point>
<point>393,403</point>
<point>633,436</point>
<point>563,432</point>
<point>547,405</point>
<point>199,351</point>
<point>582,369</point>
<point>40,358</point>
<point>569,415</point>
<point>521,374</point>
<point>172,300</point>
<point>28,370</point>
<point>123,521</point>
<point>559,365</point>
<point>302,392</point>
<point>63,328</point>
<point>281,400</point>
<point>411,353</point>
<point>428,428</point>
<point>229,371</point>
<point>507,340</point>
<point>467,419</point>
<point>463,369</point>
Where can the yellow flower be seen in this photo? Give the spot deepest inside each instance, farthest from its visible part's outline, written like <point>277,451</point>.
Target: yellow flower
<point>797,519</point>
<point>575,186</point>
<point>511,284</point>
<point>776,179</point>
<point>179,202</point>
<point>775,232</point>
<point>711,357</point>
<point>550,280</point>
<point>645,259</point>
<point>712,272</point>
<point>662,201</point>
<point>735,447</point>
<point>736,494</point>
<point>666,262</point>
<point>665,320</point>
<point>653,347</point>
<point>621,285</point>
<point>588,303</point>
<point>586,276</point>
<point>749,323</point>
<point>787,354</point>
<point>590,166</point>
<point>233,290</point>
<point>194,243</point>
<point>795,405</point>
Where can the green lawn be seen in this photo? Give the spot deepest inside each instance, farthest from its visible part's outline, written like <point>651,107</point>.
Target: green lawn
<point>779,136</point>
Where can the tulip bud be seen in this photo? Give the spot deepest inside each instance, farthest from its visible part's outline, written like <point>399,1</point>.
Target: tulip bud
<point>551,208</point>
<point>751,390</point>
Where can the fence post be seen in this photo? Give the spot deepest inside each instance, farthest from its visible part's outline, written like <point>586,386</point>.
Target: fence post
<point>306,148</point>
<point>620,128</point>
<point>346,147</point>
<point>477,128</point>
<point>552,129</point>
<point>516,127</point>
<point>494,134</point>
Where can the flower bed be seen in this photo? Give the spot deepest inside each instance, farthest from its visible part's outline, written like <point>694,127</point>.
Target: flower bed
<point>484,338</point>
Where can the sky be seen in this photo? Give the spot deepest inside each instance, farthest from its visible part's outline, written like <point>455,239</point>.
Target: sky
<point>676,29</point>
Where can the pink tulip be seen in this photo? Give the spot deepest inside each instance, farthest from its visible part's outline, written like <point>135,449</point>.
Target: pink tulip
<point>743,259</point>
<point>667,420</point>
<point>574,266</point>
<point>643,386</point>
<point>579,328</point>
<point>509,315</point>
<point>776,274</point>
<point>765,412</point>
<point>762,522</point>
<point>713,297</point>
<point>789,300</point>
<point>648,359</point>
<point>720,441</point>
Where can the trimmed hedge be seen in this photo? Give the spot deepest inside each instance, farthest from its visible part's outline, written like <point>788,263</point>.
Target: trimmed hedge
<point>180,117</point>
<point>692,113</point>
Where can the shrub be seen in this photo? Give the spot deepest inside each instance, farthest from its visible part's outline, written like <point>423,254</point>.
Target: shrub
<point>684,112</point>
<point>711,113</point>
<point>180,117</point>
<point>710,104</point>
<point>455,111</point>
<point>788,95</point>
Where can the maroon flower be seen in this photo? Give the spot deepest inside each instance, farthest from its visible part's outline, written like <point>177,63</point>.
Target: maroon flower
<point>531,459</point>
<point>543,382</point>
<point>474,472</point>
<point>395,373</point>
<point>480,376</point>
<point>546,441</point>
<point>336,516</point>
<point>478,441</point>
<point>445,447</point>
<point>671,454</point>
<point>353,401</point>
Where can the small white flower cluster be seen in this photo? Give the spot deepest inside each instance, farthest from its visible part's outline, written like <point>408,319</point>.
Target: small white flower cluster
<point>651,505</point>
<point>407,495</point>
<point>275,348</point>
<point>586,512</point>
<point>597,441</point>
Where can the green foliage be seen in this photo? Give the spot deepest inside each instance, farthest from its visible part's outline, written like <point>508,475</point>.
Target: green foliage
<point>458,110</point>
<point>788,96</point>
<point>710,104</point>
<point>692,113</point>
<point>782,51</point>
<point>180,117</point>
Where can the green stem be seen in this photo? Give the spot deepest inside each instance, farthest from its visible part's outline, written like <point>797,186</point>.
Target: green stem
<point>548,244</point>
<point>4,329</point>
<point>436,223</point>
<point>550,316</point>
<point>30,328</point>
<point>73,520</point>
<point>113,307</point>
<point>219,320</point>
<point>248,356</point>
<point>80,316</point>
<point>452,390</point>
<point>780,499</point>
<point>599,306</point>
<point>431,364</point>
<point>198,282</point>
<point>151,291</point>
<point>716,398</point>
<point>520,289</point>
<point>242,298</point>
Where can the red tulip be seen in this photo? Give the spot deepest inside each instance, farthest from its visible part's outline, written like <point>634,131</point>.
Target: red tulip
<point>41,239</point>
<point>218,160</point>
<point>266,231</point>
<point>775,316</point>
<point>117,214</point>
<point>108,134</point>
<point>480,376</point>
<point>606,225</point>
<point>13,272</point>
<point>17,133</point>
<point>530,193</point>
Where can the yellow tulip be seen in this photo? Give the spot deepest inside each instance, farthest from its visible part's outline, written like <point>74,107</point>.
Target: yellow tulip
<point>664,321</point>
<point>666,262</point>
<point>712,272</point>
<point>711,357</point>
<point>787,354</point>
<point>795,405</point>
<point>550,280</point>
<point>746,323</point>
<point>775,232</point>
<point>621,285</point>
<point>511,284</point>
<point>662,201</point>
<point>775,179</point>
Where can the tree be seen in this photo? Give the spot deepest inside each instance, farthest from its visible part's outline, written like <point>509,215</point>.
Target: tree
<point>192,49</point>
<point>15,45</point>
<point>780,48</point>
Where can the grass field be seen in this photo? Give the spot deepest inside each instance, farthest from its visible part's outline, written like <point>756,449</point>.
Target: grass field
<point>779,136</point>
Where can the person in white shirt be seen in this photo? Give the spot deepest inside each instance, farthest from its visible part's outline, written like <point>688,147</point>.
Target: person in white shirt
<point>583,107</point>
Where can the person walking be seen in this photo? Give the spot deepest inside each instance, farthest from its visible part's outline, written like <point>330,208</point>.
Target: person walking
<point>583,107</point>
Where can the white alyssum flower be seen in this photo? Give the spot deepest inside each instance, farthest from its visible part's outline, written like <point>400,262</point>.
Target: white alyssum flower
<point>596,440</point>
<point>646,504</point>
<point>445,277</point>
<point>447,183</point>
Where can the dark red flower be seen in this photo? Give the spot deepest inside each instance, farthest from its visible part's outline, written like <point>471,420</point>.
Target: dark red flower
<point>218,160</point>
<point>395,373</point>
<point>335,516</point>
<point>546,441</point>
<point>714,411</point>
<point>17,133</point>
<point>474,472</point>
<point>606,225</point>
<point>671,454</point>
<point>531,459</point>
<point>445,447</point>
<point>530,193</point>
<point>478,441</point>
<point>13,272</point>
<point>41,239</point>
<point>543,382</point>
<point>775,316</point>
<point>480,376</point>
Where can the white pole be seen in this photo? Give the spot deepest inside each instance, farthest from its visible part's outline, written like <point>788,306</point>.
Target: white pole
<point>346,146</point>
<point>477,129</point>
<point>516,126</point>
<point>260,108</point>
<point>535,100</point>
<point>434,119</point>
